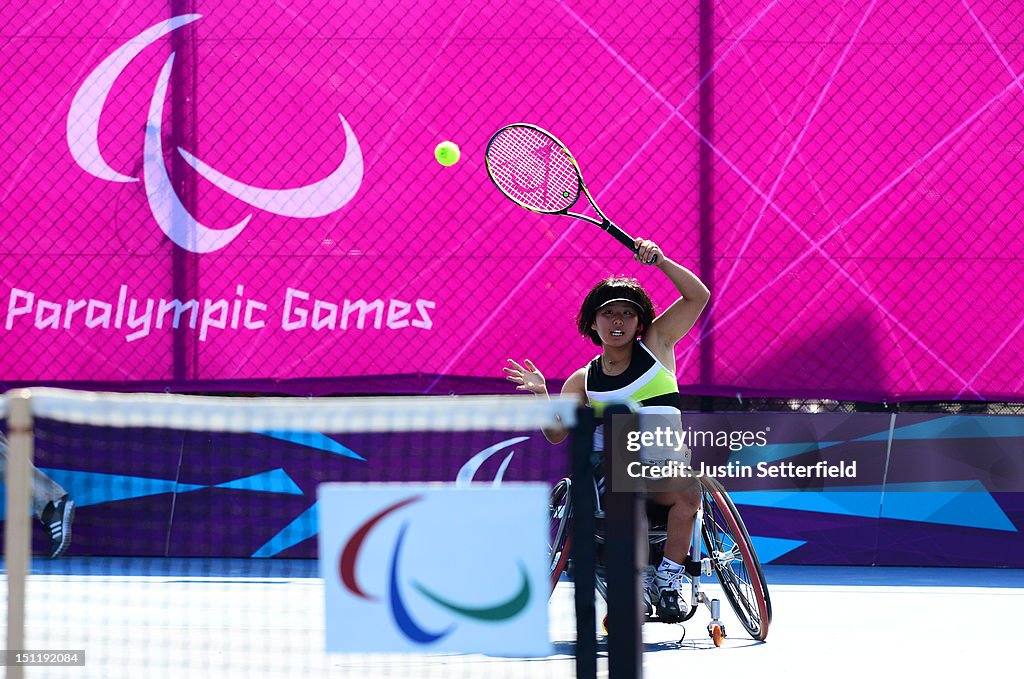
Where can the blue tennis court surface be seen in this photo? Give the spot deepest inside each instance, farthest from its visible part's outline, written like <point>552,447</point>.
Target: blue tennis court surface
<point>264,618</point>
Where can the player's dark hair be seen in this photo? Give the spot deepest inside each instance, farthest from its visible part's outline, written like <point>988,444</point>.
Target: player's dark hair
<point>609,289</point>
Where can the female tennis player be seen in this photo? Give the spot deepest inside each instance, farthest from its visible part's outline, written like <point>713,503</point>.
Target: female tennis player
<point>637,363</point>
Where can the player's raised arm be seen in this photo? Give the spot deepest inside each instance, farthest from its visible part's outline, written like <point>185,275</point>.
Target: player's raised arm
<point>672,324</point>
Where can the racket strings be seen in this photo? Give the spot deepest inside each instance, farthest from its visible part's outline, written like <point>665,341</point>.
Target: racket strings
<point>533,169</point>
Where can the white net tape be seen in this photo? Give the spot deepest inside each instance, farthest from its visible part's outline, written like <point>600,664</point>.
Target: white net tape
<point>363,414</point>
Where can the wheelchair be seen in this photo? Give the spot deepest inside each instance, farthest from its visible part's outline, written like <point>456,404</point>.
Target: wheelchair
<point>727,553</point>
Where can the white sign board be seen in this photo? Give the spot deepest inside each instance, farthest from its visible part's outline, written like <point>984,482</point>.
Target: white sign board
<point>429,568</point>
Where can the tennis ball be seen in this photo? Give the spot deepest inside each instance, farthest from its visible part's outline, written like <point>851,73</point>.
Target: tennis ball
<point>447,153</point>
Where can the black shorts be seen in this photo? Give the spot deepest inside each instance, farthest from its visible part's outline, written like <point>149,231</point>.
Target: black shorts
<point>657,515</point>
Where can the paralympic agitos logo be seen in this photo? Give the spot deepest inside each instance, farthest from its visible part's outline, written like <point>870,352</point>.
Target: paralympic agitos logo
<point>397,585</point>
<point>184,229</point>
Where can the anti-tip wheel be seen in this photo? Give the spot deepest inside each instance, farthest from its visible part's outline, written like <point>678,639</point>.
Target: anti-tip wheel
<point>717,634</point>
<point>604,623</point>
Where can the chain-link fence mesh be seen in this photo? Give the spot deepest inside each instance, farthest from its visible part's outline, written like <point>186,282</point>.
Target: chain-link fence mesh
<point>223,196</point>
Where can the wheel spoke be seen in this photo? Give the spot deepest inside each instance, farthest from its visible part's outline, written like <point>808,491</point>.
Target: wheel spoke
<point>727,558</point>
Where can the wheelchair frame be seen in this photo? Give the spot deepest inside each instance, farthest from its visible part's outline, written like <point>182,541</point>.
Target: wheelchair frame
<point>728,553</point>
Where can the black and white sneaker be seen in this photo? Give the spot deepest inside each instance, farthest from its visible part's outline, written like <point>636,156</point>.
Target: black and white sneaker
<point>57,517</point>
<point>670,602</point>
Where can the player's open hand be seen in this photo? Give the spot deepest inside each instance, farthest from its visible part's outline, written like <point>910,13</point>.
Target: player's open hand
<point>526,378</point>
<point>647,251</point>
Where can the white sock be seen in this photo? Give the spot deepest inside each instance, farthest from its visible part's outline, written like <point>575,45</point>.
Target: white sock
<point>669,565</point>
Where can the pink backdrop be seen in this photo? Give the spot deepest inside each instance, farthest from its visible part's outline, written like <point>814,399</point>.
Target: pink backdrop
<point>866,238</point>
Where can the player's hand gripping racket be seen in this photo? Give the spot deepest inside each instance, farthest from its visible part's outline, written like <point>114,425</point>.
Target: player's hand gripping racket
<point>535,170</point>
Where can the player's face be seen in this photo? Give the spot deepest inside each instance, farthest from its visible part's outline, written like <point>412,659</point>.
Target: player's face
<point>616,324</point>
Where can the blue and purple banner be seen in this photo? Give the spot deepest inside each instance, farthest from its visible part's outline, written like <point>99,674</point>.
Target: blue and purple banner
<point>926,489</point>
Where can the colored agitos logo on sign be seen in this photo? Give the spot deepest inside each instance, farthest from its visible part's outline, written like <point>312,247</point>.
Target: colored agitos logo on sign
<point>399,609</point>
<point>441,569</point>
<point>314,200</point>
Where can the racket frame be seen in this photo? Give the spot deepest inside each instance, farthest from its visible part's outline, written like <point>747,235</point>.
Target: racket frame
<point>603,223</point>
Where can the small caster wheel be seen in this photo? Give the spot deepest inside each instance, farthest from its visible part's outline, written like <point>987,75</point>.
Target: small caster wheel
<point>604,623</point>
<point>717,634</point>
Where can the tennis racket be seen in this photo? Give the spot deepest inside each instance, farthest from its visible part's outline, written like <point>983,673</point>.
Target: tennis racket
<point>535,170</point>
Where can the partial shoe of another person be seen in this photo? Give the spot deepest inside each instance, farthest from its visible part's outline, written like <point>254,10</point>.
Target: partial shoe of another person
<point>649,592</point>
<point>58,517</point>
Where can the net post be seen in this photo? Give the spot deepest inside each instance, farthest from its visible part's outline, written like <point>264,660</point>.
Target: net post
<point>585,551</point>
<point>625,556</point>
<point>17,537</point>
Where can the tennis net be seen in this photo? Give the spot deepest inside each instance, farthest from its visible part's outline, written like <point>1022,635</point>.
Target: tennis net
<point>201,547</point>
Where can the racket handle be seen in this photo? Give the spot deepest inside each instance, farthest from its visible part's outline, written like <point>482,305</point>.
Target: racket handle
<point>624,238</point>
<point>620,235</point>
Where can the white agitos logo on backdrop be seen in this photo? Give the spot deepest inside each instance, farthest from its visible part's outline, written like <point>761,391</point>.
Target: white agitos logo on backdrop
<point>314,200</point>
